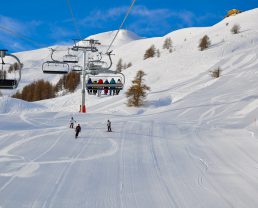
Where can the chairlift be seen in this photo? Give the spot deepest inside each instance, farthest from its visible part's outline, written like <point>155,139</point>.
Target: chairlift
<point>77,68</point>
<point>54,66</point>
<point>70,58</point>
<point>98,66</point>
<point>10,75</point>
<point>87,45</point>
<point>92,82</point>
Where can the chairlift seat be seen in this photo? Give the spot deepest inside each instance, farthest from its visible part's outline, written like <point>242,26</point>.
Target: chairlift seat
<point>101,86</point>
<point>70,61</point>
<point>8,83</point>
<point>48,69</point>
<point>54,72</point>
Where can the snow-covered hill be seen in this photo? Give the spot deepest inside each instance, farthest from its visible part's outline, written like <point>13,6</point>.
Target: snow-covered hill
<point>124,37</point>
<point>194,143</point>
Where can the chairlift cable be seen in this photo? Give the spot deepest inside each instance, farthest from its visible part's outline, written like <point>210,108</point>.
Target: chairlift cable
<point>127,13</point>
<point>74,19</point>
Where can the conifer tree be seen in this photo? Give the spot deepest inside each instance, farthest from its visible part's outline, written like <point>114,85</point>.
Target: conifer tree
<point>204,43</point>
<point>168,44</point>
<point>137,92</point>
<point>119,65</point>
<point>235,29</point>
<point>2,74</point>
<point>150,52</point>
<point>158,53</point>
<point>68,82</point>
<point>11,68</point>
<point>129,65</point>
<point>15,67</point>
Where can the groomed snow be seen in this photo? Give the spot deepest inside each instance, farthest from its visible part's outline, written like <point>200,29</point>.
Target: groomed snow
<point>194,143</point>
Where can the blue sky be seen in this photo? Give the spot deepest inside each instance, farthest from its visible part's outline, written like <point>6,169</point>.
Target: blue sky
<point>48,22</point>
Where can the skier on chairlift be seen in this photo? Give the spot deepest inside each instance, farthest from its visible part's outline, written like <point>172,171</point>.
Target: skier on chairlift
<point>112,89</point>
<point>89,88</point>
<point>106,88</point>
<point>95,89</point>
<point>118,90</point>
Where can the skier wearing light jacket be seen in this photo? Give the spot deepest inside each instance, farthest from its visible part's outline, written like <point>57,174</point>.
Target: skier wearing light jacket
<point>72,121</point>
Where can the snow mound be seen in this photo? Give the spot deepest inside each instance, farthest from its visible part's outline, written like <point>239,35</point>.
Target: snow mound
<point>12,105</point>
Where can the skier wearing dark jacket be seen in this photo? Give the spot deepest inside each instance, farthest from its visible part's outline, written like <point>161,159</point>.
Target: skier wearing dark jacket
<point>109,125</point>
<point>106,88</point>
<point>112,89</point>
<point>77,130</point>
<point>89,88</point>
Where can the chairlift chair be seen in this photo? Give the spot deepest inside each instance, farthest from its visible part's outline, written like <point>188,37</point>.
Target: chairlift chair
<point>97,65</point>
<point>9,79</point>
<point>77,68</point>
<point>55,66</point>
<point>70,58</point>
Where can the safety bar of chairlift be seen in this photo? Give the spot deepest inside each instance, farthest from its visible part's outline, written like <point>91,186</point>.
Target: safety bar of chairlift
<point>117,85</point>
<point>55,71</point>
<point>77,69</point>
<point>72,62</point>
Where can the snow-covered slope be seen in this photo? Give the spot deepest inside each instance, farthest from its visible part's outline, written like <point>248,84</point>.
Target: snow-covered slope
<point>194,143</point>
<point>124,37</point>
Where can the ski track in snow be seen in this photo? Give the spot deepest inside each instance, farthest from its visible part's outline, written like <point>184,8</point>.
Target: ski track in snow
<point>62,177</point>
<point>31,166</point>
<point>149,134</point>
<point>162,181</point>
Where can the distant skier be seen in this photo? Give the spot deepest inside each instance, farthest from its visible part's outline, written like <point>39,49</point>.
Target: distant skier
<point>109,125</point>
<point>77,130</point>
<point>72,121</point>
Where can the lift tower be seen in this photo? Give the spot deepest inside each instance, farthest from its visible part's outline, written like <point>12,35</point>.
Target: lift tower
<point>85,46</point>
